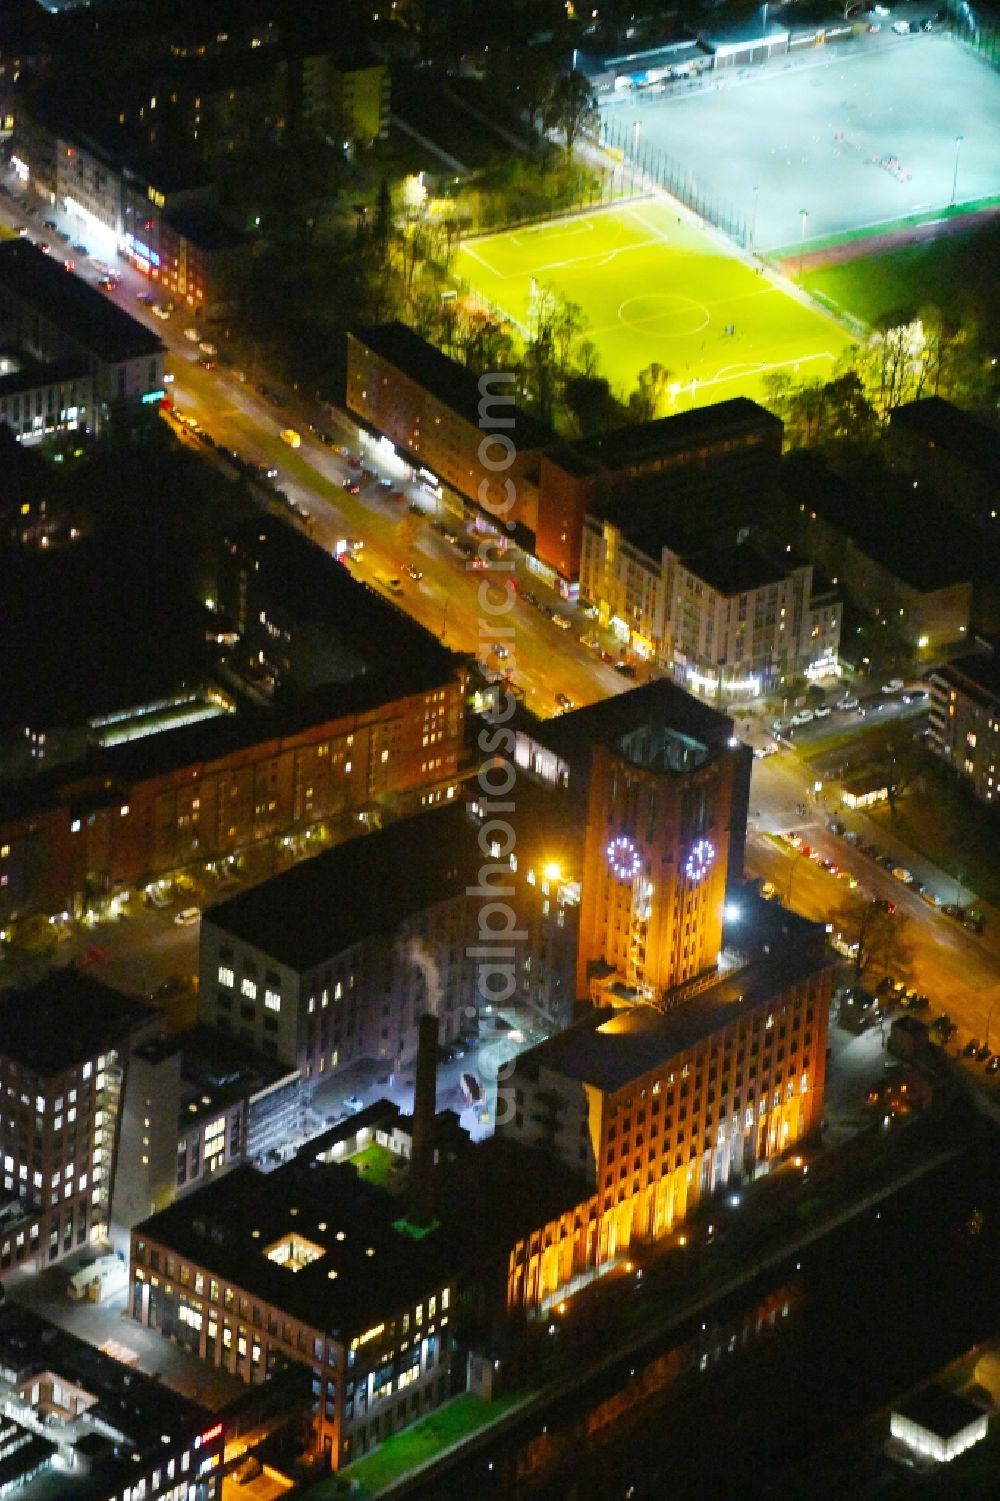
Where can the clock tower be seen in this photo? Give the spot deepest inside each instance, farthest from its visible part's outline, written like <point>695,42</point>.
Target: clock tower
<point>655,858</point>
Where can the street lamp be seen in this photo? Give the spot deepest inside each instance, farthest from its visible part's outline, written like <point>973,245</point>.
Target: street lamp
<point>802,241</point>
<point>954,176</point>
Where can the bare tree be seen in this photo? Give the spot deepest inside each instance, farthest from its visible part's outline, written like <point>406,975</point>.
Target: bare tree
<point>880,933</point>
<point>571,108</point>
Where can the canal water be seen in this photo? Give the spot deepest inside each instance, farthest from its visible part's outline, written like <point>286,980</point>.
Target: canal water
<point>745,1405</point>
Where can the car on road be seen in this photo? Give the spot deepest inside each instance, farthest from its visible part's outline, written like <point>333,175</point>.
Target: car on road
<point>413,572</point>
<point>901,874</point>
<point>161,312</point>
<point>761,752</point>
<point>804,716</point>
<point>206,362</point>
<point>187,917</point>
<point>193,335</point>
<point>901,28</point>
<point>894,685</point>
<point>822,711</point>
<point>560,622</point>
<point>626,670</point>
<point>352,487</point>
<point>145,298</point>
<point>587,607</point>
<point>288,434</point>
<point>916,697</point>
<point>848,703</point>
<point>565,702</point>
<point>886,906</point>
<point>590,641</point>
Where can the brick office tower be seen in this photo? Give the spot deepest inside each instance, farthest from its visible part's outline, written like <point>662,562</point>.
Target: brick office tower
<point>655,861</point>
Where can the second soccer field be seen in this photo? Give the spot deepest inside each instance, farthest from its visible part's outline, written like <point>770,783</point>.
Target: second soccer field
<point>654,287</point>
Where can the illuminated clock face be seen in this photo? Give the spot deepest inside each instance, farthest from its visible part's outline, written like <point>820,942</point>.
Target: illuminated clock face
<point>699,861</point>
<point>623,858</point>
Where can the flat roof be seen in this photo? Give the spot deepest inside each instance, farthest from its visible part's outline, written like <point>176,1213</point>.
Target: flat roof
<point>611,1048</point>
<point>215,1070</point>
<point>228,1226</point>
<point>370,885</point>
<point>944,425</point>
<point>735,570</point>
<point>978,676</point>
<point>624,446</point>
<point>941,1412</point>
<point>660,704</point>
<point>450,382</point>
<point>65,1019</point>
<point>914,535</point>
<point>122,1433</point>
<point>82,312</point>
<point>206,228</point>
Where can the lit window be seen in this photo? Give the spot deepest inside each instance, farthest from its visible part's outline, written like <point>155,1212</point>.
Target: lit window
<point>249,988</point>
<point>272,1000</point>
<point>226,975</point>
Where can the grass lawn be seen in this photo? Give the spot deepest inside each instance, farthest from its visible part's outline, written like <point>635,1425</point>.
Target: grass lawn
<point>950,828</point>
<point>655,288</point>
<point>415,1446</point>
<point>941,272</point>
<point>374,1163</point>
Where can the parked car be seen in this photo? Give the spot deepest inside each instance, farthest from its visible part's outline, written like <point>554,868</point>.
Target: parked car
<point>822,711</point>
<point>193,335</point>
<point>903,875</point>
<point>560,622</point>
<point>894,685</point>
<point>848,702</point>
<point>187,917</point>
<point>804,716</point>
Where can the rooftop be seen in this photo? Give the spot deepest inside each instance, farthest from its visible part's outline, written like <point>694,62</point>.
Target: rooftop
<point>976,675</point>
<point>941,1412</point>
<point>736,570</point>
<point>206,228</point>
<point>625,447</point>
<point>917,539</point>
<point>215,1069</point>
<point>345,1267</point>
<point>452,384</point>
<point>131,1422</point>
<point>609,1049</point>
<point>66,1019</point>
<point>658,705</point>
<point>84,314</point>
<point>368,886</point>
<point>943,425</point>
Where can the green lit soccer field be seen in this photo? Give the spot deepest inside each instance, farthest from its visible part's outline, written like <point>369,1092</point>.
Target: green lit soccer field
<point>655,288</point>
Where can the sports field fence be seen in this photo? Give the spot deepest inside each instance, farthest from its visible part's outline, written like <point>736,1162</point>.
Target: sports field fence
<point>679,181</point>
<point>589,192</point>
<point>984,40</point>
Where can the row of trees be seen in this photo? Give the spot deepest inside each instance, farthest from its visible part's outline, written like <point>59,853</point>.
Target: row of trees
<point>933,354</point>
